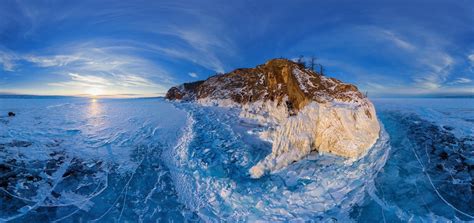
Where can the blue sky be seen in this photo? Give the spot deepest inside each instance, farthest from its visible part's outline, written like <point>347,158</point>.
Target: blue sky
<point>404,48</point>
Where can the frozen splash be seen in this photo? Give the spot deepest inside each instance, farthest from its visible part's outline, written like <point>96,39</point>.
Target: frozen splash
<point>149,160</point>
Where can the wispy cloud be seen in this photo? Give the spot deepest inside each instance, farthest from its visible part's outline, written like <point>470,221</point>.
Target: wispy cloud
<point>52,61</point>
<point>95,64</point>
<point>135,81</point>
<point>93,81</point>
<point>395,39</point>
<point>426,54</point>
<point>90,79</point>
<point>394,58</point>
<point>438,67</point>
<point>193,74</point>
<point>461,80</point>
<point>471,62</point>
<point>200,47</point>
<point>471,58</point>
<point>7,60</point>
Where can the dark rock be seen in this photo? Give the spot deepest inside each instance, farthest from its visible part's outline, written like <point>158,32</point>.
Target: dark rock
<point>54,143</point>
<point>55,194</point>
<point>18,143</point>
<point>53,164</point>
<point>443,155</point>
<point>32,178</point>
<point>439,167</point>
<point>4,168</point>
<point>6,175</point>
<point>449,128</point>
<point>11,114</point>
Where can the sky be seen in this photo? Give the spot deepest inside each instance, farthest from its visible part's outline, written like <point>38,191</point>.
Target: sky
<point>142,48</point>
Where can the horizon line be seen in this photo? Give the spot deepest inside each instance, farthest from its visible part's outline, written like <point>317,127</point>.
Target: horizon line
<point>161,95</point>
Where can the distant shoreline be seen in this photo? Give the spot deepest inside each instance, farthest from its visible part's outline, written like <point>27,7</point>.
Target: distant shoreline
<point>22,96</point>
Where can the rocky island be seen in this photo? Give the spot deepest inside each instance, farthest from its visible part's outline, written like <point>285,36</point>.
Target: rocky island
<point>304,110</point>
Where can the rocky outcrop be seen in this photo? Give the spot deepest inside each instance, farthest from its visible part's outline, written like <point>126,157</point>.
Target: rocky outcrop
<point>305,111</point>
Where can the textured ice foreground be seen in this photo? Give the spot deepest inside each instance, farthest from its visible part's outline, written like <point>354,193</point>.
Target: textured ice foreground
<point>147,159</point>
<point>88,160</point>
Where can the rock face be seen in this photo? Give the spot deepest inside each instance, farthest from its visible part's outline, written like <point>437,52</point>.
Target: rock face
<point>305,111</point>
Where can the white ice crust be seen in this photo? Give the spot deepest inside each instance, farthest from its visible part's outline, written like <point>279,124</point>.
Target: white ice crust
<point>338,128</point>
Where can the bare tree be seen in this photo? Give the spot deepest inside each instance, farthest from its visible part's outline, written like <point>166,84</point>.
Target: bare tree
<point>301,61</point>
<point>312,62</point>
<point>321,69</point>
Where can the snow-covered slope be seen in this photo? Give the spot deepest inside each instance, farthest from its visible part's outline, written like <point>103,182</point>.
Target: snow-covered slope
<point>303,111</point>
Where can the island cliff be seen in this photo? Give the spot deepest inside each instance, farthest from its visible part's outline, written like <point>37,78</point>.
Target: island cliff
<point>304,110</point>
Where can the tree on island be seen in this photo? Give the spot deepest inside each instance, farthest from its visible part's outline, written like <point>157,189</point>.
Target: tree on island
<point>321,69</point>
<point>312,62</point>
<point>301,61</point>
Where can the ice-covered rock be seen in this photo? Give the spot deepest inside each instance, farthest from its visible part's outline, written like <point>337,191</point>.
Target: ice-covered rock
<point>303,110</point>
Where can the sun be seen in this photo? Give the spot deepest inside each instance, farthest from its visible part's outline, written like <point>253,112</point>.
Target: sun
<point>94,91</point>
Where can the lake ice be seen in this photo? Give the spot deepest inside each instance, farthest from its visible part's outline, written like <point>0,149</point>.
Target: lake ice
<point>77,159</point>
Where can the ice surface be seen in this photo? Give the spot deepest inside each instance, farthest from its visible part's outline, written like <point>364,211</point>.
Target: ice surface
<point>88,160</point>
<point>428,176</point>
<point>69,159</point>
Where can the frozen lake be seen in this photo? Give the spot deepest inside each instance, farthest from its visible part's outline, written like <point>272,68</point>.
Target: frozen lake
<point>109,160</point>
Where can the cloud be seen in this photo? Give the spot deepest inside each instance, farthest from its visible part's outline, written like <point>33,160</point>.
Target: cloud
<point>471,61</point>
<point>88,79</point>
<point>95,64</point>
<point>396,39</point>
<point>471,58</point>
<point>52,61</point>
<point>79,80</point>
<point>438,67</point>
<point>106,84</point>
<point>416,63</point>
<point>193,74</point>
<point>425,53</point>
<point>201,48</point>
<point>461,80</point>
<point>135,81</point>
<point>7,61</point>
<point>194,33</point>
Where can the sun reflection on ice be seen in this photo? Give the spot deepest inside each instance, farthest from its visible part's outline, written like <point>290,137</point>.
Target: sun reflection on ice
<point>94,107</point>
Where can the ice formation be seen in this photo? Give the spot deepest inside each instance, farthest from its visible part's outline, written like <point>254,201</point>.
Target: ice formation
<point>210,174</point>
<point>341,129</point>
<point>303,110</point>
